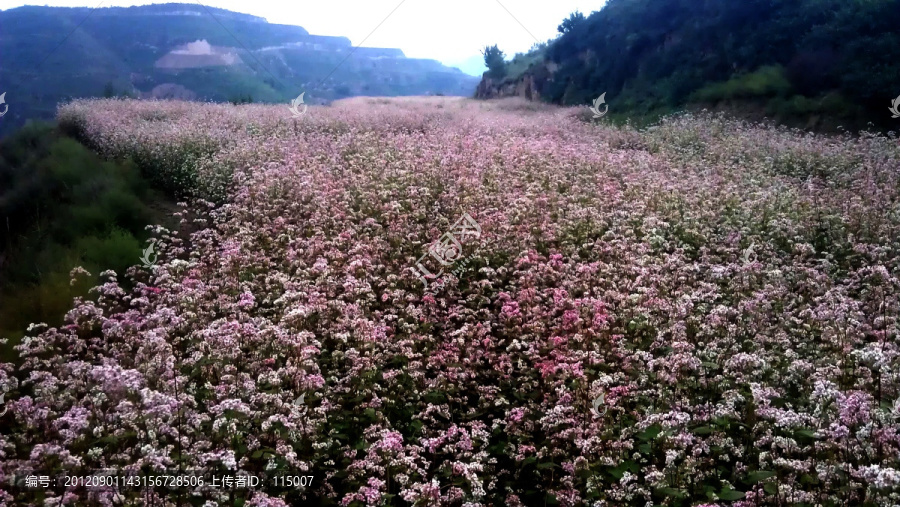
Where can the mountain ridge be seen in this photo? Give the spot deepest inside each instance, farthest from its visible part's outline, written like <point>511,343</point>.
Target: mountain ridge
<point>118,50</point>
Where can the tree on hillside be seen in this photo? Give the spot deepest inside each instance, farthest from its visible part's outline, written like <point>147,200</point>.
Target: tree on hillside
<point>241,99</point>
<point>658,54</point>
<point>571,22</point>
<point>495,61</point>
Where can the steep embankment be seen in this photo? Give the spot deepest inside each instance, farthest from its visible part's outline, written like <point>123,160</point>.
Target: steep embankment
<point>816,63</point>
<point>528,85</point>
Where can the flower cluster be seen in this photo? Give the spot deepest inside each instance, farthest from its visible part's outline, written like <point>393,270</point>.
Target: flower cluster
<point>611,342</point>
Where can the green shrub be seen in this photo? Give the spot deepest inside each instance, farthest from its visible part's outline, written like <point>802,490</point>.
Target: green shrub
<point>125,210</point>
<point>83,220</point>
<point>521,62</point>
<point>69,163</point>
<point>45,302</point>
<point>118,251</point>
<point>65,207</point>
<point>832,104</point>
<point>766,81</point>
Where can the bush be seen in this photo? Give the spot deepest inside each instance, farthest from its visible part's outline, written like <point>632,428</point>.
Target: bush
<point>766,81</point>
<point>118,251</point>
<point>524,61</point>
<point>61,206</point>
<point>813,70</point>
<point>832,104</point>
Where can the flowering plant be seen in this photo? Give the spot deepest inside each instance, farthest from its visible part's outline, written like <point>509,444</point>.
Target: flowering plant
<point>611,345</point>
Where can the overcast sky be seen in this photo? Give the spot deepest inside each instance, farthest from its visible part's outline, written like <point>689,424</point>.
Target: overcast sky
<point>449,31</point>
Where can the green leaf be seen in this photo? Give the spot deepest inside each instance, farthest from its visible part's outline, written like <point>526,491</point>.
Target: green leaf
<point>770,488</point>
<point>806,433</point>
<point>551,499</point>
<point>760,475</point>
<point>722,421</point>
<point>677,493</point>
<point>808,479</point>
<point>730,495</point>
<point>650,433</point>
<point>547,465</point>
<point>109,439</point>
<point>617,472</point>
<point>435,397</point>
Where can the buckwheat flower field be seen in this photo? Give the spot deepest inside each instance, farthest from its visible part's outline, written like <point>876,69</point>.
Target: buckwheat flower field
<point>700,313</point>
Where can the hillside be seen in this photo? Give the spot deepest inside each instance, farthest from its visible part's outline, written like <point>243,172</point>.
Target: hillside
<point>812,63</point>
<point>62,206</point>
<point>189,51</point>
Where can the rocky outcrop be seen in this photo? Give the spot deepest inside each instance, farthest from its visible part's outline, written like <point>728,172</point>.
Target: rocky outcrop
<point>529,85</point>
<point>198,54</point>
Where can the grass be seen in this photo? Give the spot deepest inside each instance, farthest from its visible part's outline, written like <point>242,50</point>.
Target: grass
<point>61,206</point>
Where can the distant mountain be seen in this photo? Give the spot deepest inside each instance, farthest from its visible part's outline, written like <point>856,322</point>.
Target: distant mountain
<point>474,66</point>
<point>192,52</point>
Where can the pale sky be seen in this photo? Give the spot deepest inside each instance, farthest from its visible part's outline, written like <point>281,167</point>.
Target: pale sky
<point>449,31</point>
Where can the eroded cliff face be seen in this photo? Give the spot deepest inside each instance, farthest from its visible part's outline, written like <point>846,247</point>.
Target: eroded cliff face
<point>529,85</point>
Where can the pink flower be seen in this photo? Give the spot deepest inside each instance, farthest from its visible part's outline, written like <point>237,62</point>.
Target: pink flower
<point>516,414</point>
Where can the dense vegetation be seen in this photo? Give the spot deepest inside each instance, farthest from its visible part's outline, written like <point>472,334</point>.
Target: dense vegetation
<point>702,313</point>
<point>835,60</point>
<point>62,207</point>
